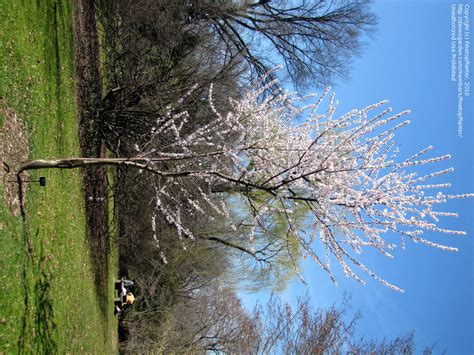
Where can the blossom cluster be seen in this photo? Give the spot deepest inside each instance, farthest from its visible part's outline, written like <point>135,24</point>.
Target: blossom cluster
<point>342,173</point>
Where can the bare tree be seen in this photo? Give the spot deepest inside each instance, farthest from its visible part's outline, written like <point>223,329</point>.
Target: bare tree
<point>154,55</point>
<point>266,159</point>
<point>314,40</point>
<point>215,322</point>
<point>301,330</point>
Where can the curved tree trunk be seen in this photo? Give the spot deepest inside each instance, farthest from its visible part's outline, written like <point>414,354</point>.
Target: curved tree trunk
<point>72,163</point>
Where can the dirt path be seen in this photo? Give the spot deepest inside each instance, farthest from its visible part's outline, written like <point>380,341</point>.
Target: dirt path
<point>89,91</point>
<point>13,151</point>
<point>89,86</point>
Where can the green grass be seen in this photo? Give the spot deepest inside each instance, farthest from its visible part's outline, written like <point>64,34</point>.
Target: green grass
<point>49,300</point>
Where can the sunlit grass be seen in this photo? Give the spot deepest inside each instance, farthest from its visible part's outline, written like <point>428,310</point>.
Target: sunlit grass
<point>49,301</point>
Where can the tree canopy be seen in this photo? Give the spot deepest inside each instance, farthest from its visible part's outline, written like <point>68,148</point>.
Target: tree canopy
<point>315,40</point>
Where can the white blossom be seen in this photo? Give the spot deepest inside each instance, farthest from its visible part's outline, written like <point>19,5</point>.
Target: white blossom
<point>344,170</point>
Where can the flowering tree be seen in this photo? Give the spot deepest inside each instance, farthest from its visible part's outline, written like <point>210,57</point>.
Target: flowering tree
<point>300,178</point>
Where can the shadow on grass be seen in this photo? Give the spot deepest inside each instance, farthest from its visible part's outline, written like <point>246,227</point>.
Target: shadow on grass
<point>89,95</point>
<point>44,314</point>
<point>97,217</point>
<point>37,334</point>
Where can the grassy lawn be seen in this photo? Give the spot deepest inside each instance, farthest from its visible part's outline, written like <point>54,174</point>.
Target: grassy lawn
<point>49,295</point>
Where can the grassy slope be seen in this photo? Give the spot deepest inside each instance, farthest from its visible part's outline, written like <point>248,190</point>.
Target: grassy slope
<point>48,294</point>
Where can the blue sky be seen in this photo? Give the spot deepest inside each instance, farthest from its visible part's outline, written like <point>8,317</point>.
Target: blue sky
<point>408,62</point>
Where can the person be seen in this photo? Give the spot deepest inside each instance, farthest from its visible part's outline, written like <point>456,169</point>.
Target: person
<point>127,283</point>
<point>126,297</point>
